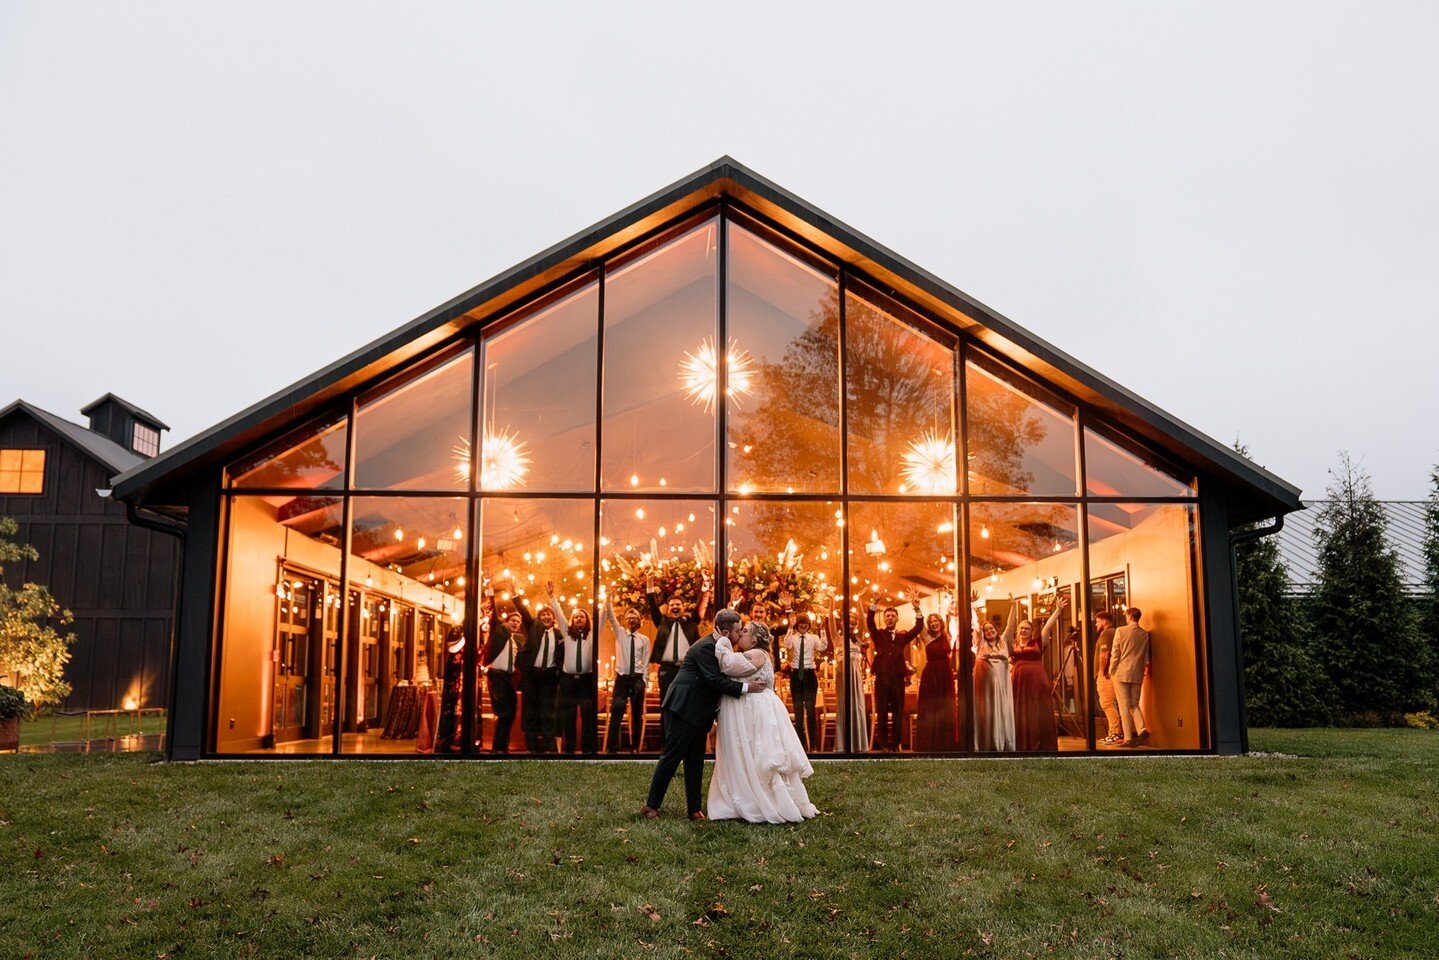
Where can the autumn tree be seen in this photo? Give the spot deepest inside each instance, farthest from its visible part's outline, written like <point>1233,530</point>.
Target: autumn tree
<point>33,653</point>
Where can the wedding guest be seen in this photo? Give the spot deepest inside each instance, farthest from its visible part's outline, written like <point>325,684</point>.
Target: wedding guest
<point>1128,666</point>
<point>1103,683</point>
<point>539,677</point>
<point>937,728</point>
<point>1034,726</point>
<point>632,657</point>
<point>993,695</point>
<point>447,733</point>
<point>891,674</point>
<point>852,736</point>
<point>578,697</point>
<point>501,660</point>
<point>675,631</point>
<point>803,647</point>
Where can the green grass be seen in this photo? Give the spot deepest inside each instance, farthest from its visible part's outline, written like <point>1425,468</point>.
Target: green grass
<point>58,729</point>
<point>1331,854</point>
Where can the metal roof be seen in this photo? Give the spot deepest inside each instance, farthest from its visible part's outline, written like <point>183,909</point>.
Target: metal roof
<point>1405,528</point>
<point>1253,493</point>
<point>99,447</point>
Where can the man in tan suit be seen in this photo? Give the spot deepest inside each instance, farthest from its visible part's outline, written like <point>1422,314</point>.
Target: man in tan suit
<point>1128,664</point>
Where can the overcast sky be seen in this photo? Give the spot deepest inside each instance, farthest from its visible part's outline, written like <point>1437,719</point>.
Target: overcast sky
<point>1231,208</point>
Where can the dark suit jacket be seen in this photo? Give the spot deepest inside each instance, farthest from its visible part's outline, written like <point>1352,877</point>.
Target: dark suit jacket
<point>530,643</point>
<point>499,636</point>
<point>694,695</point>
<point>889,647</point>
<point>689,626</point>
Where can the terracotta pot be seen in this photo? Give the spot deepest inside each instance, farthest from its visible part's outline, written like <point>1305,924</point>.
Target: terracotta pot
<point>10,734</point>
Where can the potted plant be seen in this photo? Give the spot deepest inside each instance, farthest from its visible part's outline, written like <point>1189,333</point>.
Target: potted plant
<point>12,708</point>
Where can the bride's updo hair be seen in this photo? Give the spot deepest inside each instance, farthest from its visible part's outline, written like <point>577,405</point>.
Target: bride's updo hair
<point>762,637</point>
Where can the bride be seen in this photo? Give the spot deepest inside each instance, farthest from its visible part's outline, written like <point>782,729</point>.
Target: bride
<point>760,766</point>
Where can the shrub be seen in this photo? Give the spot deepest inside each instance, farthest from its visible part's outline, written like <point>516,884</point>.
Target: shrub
<point>12,703</point>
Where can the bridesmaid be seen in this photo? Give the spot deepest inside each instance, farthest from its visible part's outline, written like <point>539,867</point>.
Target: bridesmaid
<point>938,725</point>
<point>1034,726</point>
<point>993,696</point>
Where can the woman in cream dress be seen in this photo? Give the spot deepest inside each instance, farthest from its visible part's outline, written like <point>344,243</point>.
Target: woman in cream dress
<point>760,766</point>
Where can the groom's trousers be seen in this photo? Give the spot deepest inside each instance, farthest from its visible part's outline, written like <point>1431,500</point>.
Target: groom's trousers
<point>684,743</point>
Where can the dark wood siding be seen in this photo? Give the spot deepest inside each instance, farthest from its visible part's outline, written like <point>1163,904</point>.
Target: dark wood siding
<point>116,578</point>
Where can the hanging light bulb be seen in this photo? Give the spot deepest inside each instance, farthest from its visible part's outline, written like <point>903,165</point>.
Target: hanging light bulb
<point>984,532</point>
<point>634,479</point>
<point>399,535</point>
<point>420,543</point>
<point>459,534</point>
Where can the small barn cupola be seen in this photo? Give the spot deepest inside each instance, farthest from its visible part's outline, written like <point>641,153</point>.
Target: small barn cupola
<point>126,424</point>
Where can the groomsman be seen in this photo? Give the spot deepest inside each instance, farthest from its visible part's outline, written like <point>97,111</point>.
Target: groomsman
<point>674,632</point>
<point>803,648</point>
<point>501,657</point>
<point>539,678</point>
<point>891,674</point>
<point>632,658</point>
<point>1128,666</point>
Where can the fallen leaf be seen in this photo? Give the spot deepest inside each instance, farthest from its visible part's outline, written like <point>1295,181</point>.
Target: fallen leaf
<point>649,911</point>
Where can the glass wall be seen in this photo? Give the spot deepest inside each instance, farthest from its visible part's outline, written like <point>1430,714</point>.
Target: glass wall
<point>508,545</point>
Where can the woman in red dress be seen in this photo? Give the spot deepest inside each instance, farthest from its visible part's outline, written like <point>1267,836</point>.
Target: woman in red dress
<point>1034,726</point>
<point>937,727</point>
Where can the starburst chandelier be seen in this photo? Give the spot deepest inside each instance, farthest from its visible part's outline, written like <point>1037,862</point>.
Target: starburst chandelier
<point>929,465</point>
<point>504,460</point>
<point>700,378</point>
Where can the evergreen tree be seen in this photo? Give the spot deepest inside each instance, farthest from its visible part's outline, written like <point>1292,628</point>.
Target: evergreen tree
<point>1284,685</point>
<point>1366,632</point>
<point>33,653</point>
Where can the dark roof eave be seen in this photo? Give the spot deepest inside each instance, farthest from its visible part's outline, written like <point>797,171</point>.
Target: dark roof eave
<point>724,176</point>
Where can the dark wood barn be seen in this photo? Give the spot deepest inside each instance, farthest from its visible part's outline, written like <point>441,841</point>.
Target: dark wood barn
<point>117,578</point>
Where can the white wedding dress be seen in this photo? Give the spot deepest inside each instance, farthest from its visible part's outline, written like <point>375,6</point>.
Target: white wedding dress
<point>760,765</point>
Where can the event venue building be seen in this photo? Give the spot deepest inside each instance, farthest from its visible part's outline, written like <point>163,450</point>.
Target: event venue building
<point>720,394</point>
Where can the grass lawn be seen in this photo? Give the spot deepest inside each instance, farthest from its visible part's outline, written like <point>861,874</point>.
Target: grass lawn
<point>1332,853</point>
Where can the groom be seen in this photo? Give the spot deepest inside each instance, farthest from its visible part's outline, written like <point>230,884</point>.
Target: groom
<point>689,713</point>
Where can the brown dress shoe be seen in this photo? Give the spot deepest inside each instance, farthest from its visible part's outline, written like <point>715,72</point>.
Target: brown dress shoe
<point>649,812</point>
<point>698,815</point>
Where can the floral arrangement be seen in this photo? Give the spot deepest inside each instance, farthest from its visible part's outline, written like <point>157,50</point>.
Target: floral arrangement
<point>774,579</point>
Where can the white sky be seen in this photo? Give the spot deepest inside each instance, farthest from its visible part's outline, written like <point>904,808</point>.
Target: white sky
<point>1231,208</point>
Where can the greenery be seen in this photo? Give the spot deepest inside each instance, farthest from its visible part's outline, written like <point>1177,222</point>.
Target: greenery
<point>1366,631</point>
<point>33,653</point>
<point>12,703</point>
<point>1284,685</point>
<point>1323,848</point>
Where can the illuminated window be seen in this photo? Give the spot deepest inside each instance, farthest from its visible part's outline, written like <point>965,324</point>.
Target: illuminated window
<point>22,471</point>
<point>145,440</point>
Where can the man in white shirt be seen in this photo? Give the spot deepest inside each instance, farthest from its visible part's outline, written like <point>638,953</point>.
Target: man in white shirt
<point>803,647</point>
<point>501,656</point>
<point>632,658</point>
<point>578,698</point>
<point>539,678</point>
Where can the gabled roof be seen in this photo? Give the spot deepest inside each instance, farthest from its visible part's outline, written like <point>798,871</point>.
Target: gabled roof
<point>1405,527</point>
<point>99,447</point>
<point>1253,492</point>
<point>127,405</point>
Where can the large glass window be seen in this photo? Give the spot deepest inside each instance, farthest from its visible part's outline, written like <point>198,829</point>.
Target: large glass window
<point>405,633</point>
<point>902,565</point>
<point>1025,570</point>
<point>412,433</point>
<point>662,367</point>
<point>22,471</point>
<point>1152,657</point>
<point>311,457</point>
<point>900,392</point>
<point>280,625</point>
<point>783,399</point>
<point>587,595</point>
<point>539,397</point>
<point>1021,441</point>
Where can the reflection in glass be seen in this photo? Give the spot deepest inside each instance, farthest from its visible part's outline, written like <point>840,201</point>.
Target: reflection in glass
<point>405,630</point>
<point>1024,567</point>
<point>527,546</point>
<point>783,427</point>
<point>900,394</point>
<point>1111,470</point>
<point>407,429</point>
<point>280,625</point>
<point>784,563</point>
<point>539,398</point>
<point>903,554</point>
<point>1019,442</point>
<point>1146,551</point>
<point>309,458</point>
<point>660,376</point>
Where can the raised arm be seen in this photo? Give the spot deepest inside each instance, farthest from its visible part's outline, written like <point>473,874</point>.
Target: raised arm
<point>909,635</point>
<point>1052,624</point>
<point>702,606</point>
<point>870,622</point>
<point>652,599</point>
<point>612,618</point>
<point>526,618</point>
<point>1012,626</point>
<point>559,612</point>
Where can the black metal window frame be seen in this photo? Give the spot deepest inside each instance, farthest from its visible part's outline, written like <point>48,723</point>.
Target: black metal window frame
<point>724,211</point>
